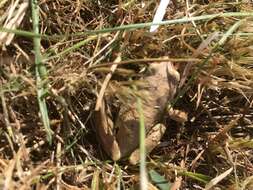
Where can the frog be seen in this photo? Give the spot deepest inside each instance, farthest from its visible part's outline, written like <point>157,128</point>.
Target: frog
<point>120,139</point>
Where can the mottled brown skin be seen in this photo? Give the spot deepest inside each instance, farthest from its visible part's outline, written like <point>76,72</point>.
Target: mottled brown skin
<point>161,87</point>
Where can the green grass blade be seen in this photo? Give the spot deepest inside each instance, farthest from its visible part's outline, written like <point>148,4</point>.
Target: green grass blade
<point>40,71</point>
<point>231,30</point>
<point>143,172</point>
<point>167,22</point>
<point>130,26</point>
<point>159,180</point>
<point>197,176</point>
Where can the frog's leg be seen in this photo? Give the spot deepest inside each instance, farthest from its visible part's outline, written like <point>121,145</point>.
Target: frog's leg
<point>154,136</point>
<point>152,140</point>
<point>104,129</point>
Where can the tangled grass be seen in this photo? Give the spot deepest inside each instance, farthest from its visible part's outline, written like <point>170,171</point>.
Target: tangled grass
<point>79,43</point>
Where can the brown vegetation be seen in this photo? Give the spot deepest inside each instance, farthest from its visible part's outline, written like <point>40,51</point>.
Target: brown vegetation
<point>216,92</point>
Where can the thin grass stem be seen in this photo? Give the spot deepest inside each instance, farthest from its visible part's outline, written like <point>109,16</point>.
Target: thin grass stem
<point>143,172</point>
<point>129,26</point>
<point>41,71</point>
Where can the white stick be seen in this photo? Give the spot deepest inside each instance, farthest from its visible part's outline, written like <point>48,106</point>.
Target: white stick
<point>160,12</point>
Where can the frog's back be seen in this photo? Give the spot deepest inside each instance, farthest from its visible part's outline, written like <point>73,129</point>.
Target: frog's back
<point>161,87</point>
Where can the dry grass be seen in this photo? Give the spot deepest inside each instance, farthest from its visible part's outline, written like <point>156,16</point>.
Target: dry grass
<point>216,94</point>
